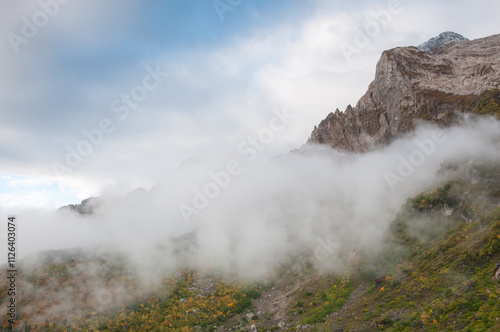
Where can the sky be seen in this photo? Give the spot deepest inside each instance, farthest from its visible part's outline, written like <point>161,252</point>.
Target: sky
<point>107,96</point>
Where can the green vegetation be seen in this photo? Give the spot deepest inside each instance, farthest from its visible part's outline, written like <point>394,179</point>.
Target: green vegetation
<point>174,305</point>
<point>440,198</point>
<point>488,103</point>
<point>182,309</point>
<point>331,300</point>
<point>444,277</point>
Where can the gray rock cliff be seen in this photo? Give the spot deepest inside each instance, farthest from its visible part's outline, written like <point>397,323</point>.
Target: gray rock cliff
<point>412,84</point>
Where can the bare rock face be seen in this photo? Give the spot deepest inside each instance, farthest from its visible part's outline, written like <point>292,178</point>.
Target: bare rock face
<point>444,38</point>
<point>412,84</point>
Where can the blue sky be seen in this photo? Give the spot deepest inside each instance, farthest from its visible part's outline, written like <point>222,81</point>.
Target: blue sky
<point>225,78</point>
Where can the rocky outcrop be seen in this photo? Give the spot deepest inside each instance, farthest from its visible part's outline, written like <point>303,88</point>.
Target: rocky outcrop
<point>85,207</point>
<point>444,38</point>
<point>89,205</point>
<point>412,84</point>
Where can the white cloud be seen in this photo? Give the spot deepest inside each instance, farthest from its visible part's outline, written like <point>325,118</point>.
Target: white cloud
<point>216,95</point>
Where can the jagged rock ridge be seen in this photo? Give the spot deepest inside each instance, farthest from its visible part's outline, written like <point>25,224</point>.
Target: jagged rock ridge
<point>412,84</point>
<point>85,207</point>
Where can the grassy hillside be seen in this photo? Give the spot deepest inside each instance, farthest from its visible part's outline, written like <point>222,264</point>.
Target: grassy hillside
<point>447,243</point>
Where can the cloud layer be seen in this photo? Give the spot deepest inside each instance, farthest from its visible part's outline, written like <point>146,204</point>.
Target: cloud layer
<point>225,79</point>
<point>318,202</point>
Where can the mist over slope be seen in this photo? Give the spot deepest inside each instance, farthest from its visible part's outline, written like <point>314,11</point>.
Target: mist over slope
<point>292,222</point>
<point>272,210</point>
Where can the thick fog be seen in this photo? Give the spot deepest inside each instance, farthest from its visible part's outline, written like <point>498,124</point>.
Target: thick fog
<point>246,215</point>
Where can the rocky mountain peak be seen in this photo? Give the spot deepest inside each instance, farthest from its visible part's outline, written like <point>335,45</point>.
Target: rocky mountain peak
<point>443,39</point>
<point>413,84</point>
